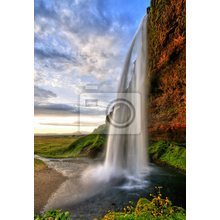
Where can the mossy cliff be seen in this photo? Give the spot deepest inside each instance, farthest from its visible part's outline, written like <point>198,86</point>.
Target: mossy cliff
<point>167,71</point>
<point>171,154</point>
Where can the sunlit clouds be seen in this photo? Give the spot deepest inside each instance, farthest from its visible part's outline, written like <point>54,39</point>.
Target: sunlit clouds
<point>78,43</point>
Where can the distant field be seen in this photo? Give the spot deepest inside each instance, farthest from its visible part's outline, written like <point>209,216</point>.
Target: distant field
<point>52,146</point>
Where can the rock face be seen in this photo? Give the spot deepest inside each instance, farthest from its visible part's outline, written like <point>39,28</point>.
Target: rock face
<point>166,107</point>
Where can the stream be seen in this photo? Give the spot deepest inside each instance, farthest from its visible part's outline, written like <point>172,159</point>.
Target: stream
<point>89,199</point>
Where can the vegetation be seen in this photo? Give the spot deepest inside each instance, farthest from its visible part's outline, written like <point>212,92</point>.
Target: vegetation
<point>162,152</point>
<point>167,71</point>
<point>39,164</point>
<point>57,147</point>
<point>145,209</point>
<point>173,154</point>
<point>54,215</point>
<point>52,146</point>
<point>89,145</point>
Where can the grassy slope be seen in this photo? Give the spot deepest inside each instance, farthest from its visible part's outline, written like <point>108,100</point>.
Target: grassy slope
<point>172,154</point>
<point>55,147</point>
<point>39,164</point>
<point>89,145</point>
<point>52,146</point>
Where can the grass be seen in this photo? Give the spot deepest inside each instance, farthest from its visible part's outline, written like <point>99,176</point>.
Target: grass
<point>56,147</point>
<point>172,154</point>
<point>39,164</point>
<point>52,146</point>
<point>89,145</point>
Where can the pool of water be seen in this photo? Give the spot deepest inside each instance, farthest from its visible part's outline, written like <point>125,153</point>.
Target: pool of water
<point>86,198</point>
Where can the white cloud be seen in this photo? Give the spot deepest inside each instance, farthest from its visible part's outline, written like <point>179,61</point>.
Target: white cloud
<point>78,43</point>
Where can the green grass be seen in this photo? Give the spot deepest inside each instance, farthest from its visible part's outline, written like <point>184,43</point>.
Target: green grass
<point>56,147</point>
<point>39,164</point>
<point>52,146</point>
<point>89,145</point>
<point>173,154</point>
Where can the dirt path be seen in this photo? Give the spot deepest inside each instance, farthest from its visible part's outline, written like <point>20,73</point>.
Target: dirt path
<point>46,181</point>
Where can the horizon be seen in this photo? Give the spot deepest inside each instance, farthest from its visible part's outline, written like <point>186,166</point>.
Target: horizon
<point>77,44</point>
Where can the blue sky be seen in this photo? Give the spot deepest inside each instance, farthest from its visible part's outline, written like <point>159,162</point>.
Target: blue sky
<point>79,42</point>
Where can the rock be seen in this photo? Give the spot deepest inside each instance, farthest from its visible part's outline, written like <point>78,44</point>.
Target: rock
<point>166,107</point>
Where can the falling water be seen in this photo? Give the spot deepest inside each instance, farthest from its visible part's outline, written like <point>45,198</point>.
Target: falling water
<point>126,148</point>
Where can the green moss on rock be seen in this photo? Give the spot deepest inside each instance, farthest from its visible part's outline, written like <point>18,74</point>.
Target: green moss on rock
<point>172,154</point>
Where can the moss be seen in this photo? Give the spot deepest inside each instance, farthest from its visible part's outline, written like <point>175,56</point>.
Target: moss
<point>142,204</point>
<point>98,145</point>
<point>146,209</point>
<point>173,154</point>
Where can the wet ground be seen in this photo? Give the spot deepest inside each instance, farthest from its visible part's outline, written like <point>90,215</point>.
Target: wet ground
<point>88,199</point>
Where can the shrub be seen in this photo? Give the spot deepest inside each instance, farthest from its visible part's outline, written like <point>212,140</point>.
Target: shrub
<point>158,208</point>
<point>54,215</point>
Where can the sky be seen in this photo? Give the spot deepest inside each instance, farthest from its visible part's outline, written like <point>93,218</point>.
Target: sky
<point>79,44</point>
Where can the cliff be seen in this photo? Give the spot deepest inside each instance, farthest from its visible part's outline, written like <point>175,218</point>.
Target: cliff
<point>167,71</point>
<point>166,104</point>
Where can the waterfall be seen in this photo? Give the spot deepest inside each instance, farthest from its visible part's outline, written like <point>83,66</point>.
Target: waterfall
<point>126,148</point>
